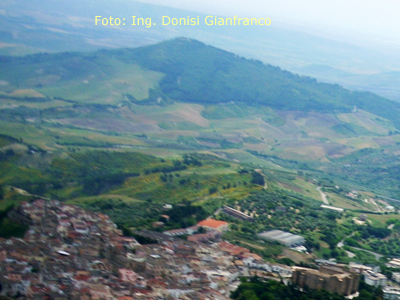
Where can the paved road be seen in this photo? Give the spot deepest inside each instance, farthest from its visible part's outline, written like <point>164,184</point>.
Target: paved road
<point>323,196</point>
<point>377,255</point>
<point>341,244</point>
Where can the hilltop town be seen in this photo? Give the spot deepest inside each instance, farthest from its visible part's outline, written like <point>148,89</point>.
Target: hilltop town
<point>71,253</point>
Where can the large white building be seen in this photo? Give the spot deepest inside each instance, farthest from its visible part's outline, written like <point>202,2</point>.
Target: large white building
<point>285,238</point>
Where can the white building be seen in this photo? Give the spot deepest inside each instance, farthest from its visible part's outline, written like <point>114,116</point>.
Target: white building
<point>375,279</point>
<point>394,263</point>
<point>391,293</point>
<point>286,238</point>
<point>396,277</point>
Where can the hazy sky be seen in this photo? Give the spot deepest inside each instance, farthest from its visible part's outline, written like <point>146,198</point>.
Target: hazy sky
<point>372,19</point>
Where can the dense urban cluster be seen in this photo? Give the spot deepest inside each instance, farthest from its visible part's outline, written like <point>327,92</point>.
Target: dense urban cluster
<point>70,253</point>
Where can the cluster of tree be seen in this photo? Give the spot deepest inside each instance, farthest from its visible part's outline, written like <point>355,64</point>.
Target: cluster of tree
<point>257,178</point>
<point>286,163</point>
<point>191,160</point>
<point>257,289</point>
<point>395,223</point>
<point>376,238</point>
<point>195,72</point>
<point>182,216</point>
<point>6,155</point>
<point>108,204</point>
<point>95,172</point>
<point>277,209</point>
<point>8,227</point>
<point>389,246</point>
<point>177,165</point>
<point>144,240</point>
<point>377,232</point>
<point>130,214</point>
<point>167,169</point>
<point>376,168</point>
<point>103,183</point>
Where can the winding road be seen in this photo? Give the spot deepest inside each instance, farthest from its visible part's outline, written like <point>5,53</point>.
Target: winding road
<point>341,244</point>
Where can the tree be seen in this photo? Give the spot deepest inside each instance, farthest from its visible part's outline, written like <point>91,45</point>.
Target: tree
<point>201,230</point>
<point>257,178</point>
<point>248,295</point>
<point>212,190</point>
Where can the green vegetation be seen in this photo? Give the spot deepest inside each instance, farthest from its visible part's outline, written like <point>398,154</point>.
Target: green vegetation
<point>376,168</point>
<point>185,70</point>
<point>273,290</point>
<point>8,227</point>
<point>294,212</point>
<point>204,74</point>
<point>125,131</point>
<point>243,234</point>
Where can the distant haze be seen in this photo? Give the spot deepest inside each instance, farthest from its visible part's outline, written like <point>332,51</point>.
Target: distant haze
<point>376,21</point>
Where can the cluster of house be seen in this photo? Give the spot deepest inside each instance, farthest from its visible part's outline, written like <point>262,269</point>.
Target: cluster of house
<point>70,253</point>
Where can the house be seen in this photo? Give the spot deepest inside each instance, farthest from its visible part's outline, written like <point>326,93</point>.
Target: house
<point>211,224</point>
<point>394,263</point>
<point>391,293</point>
<point>252,255</point>
<point>332,208</point>
<point>236,214</point>
<point>359,269</point>
<point>158,224</point>
<point>396,277</point>
<point>205,237</point>
<point>128,275</point>
<point>99,291</point>
<point>232,249</point>
<point>375,279</point>
<point>176,232</point>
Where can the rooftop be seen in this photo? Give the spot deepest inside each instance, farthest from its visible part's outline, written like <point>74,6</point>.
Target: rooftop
<point>212,223</point>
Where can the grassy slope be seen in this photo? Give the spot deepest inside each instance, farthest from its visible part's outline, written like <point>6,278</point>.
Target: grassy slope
<point>193,72</point>
<point>83,78</point>
<point>298,136</point>
<point>106,77</point>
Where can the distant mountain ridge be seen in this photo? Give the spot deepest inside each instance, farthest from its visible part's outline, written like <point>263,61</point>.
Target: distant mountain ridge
<point>197,73</point>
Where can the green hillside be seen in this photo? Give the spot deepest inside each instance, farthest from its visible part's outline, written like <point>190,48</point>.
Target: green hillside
<point>126,131</point>
<point>199,73</point>
<point>184,96</point>
<point>185,70</point>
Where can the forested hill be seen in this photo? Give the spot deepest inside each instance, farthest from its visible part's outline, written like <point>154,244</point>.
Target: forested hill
<point>198,73</point>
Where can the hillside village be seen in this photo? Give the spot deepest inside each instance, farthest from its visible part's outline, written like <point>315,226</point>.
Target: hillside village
<point>71,253</point>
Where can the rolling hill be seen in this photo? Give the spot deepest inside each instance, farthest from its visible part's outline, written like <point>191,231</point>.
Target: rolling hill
<point>184,96</point>
<point>185,70</point>
<point>126,131</point>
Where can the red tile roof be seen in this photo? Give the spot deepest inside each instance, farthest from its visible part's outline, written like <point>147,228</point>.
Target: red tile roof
<point>212,223</point>
<point>232,249</point>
